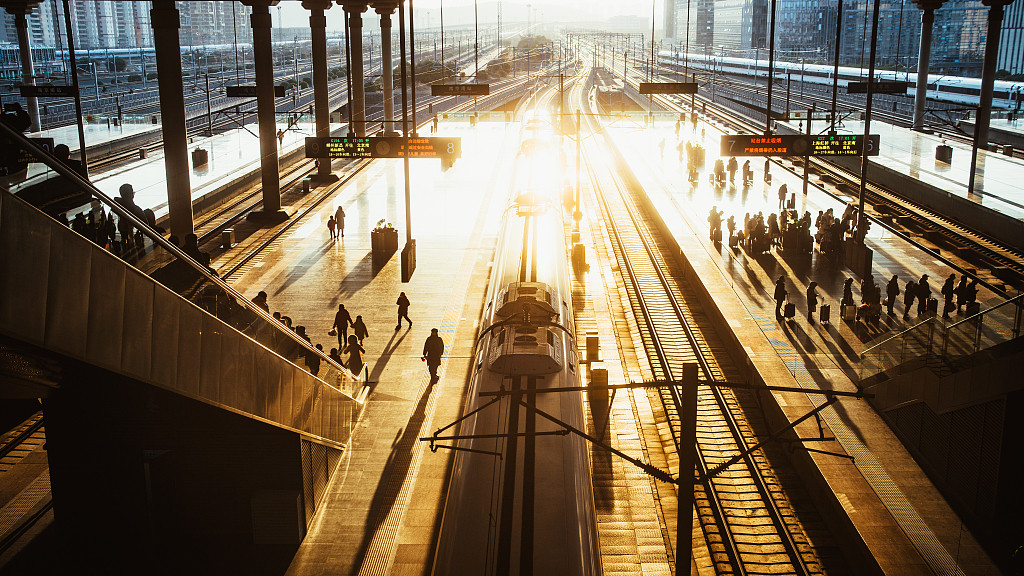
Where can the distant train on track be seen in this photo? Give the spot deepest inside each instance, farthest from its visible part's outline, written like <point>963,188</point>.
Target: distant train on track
<point>520,499</point>
<point>954,89</point>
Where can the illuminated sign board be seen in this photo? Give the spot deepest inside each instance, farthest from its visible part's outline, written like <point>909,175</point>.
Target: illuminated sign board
<point>250,91</point>
<point>757,145</point>
<point>384,147</point>
<point>843,145</point>
<point>460,89</point>
<point>797,145</point>
<point>668,87</point>
<point>46,91</point>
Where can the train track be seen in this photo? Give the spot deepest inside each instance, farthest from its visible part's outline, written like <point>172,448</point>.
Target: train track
<point>749,525</point>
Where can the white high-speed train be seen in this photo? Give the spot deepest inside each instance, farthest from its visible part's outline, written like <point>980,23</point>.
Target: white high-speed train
<point>956,89</point>
<point>520,500</point>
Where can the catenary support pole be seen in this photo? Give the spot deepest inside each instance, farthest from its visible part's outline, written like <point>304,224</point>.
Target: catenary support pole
<point>835,66</point>
<point>78,95</point>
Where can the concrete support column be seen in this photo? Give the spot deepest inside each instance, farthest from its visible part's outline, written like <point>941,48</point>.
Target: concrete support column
<point>318,33</point>
<point>266,112</point>
<point>988,71</point>
<point>21,12</point>
<point>165,21</point>
<point>355,34</point>
<point>928,8</point>
<point>385,9</point>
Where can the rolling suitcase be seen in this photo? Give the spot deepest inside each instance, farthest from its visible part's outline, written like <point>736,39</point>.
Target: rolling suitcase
<point>973,308</point>
<point>718,235</point>
<point>932,306</point>
<point>790,310</point>
<point>825,315</point>
<point>734,241</point>
<point>848,312</point>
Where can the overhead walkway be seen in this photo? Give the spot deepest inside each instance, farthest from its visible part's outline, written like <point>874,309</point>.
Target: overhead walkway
<point>179,433</point>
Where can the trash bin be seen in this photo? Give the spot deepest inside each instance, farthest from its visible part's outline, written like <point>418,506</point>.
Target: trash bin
<point>944,153</point>
<point>227,238</point>
<point>143,152</point>
<point>200,156</point>
<point>1007,150</point>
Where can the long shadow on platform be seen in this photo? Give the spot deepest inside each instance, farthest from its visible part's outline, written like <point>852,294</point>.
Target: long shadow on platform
<point>385,356</point>
<point>797,336</point>
<point>361,275</point>
<point>300,268</point>
<point>393,476</point>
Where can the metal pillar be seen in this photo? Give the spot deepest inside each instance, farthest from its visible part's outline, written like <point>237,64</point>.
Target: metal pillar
<point>861,218</point>
<point>988,71</point>
<point>387,65</point>
<point>355,37</point>
<point>21,12</point>
<point>266,112</point>
<point>165,21</point>
<point>928,8</point>
<point>322,110</point>
<point>771,71</point>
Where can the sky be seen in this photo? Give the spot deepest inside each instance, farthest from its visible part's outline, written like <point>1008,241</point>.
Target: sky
<point>461,11</point>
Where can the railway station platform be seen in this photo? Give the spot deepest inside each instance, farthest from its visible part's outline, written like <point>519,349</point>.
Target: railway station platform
<point>903,518</point>
<point>382,510</point>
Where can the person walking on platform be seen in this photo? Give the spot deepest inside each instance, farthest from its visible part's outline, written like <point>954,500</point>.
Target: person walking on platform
<point>661,148</point>
<point>847,293</point>
<point>339,221</point>
<point>359,329</point>
<point>403,310</point>
<point>747,177</point>
<point>780,295</point>
<point>892,290</point>
<point>961,292</point>
<point>783,191</point>
<point>909,293</point>
<point>923,294</point>
<point>331,222</point>
<point>812,300</point>
<point>433,349</point>
<point>342,320</point>
<point>732,166</point>
<point>948,293</point>
<point>355,355</point>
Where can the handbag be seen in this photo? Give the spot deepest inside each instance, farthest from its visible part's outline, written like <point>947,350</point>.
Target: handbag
<point>332,332</point>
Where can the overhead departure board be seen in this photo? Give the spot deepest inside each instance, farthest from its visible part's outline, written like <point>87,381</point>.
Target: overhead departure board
<point>843,145</point>
<point>798,145</point>
<point>668,87</point>
<point>384,147</point>
<point>758,145</point>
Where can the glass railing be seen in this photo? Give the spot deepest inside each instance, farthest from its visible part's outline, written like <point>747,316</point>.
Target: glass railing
<point>130,233</point>
<point>934,339</point>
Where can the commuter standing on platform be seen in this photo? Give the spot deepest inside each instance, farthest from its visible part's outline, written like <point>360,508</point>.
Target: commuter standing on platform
<point>783,191</point>
<point>892,290</point>
<point>746,172</point>
<point>339,221</point>
<point>909,293</point>
<point>780,295</point>
<point>433,349</point>
<point>847,293</point>
<point>731,166</point>
<point>948,293</point>
<point>342,320</point>
<point>812,300</point>
<point>330,227</point>
<point>403,310</point>
<point>923,294</point>
<point>961,292</point>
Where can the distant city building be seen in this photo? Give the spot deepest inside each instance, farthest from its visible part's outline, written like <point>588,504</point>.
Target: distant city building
<point>1011,42</point>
